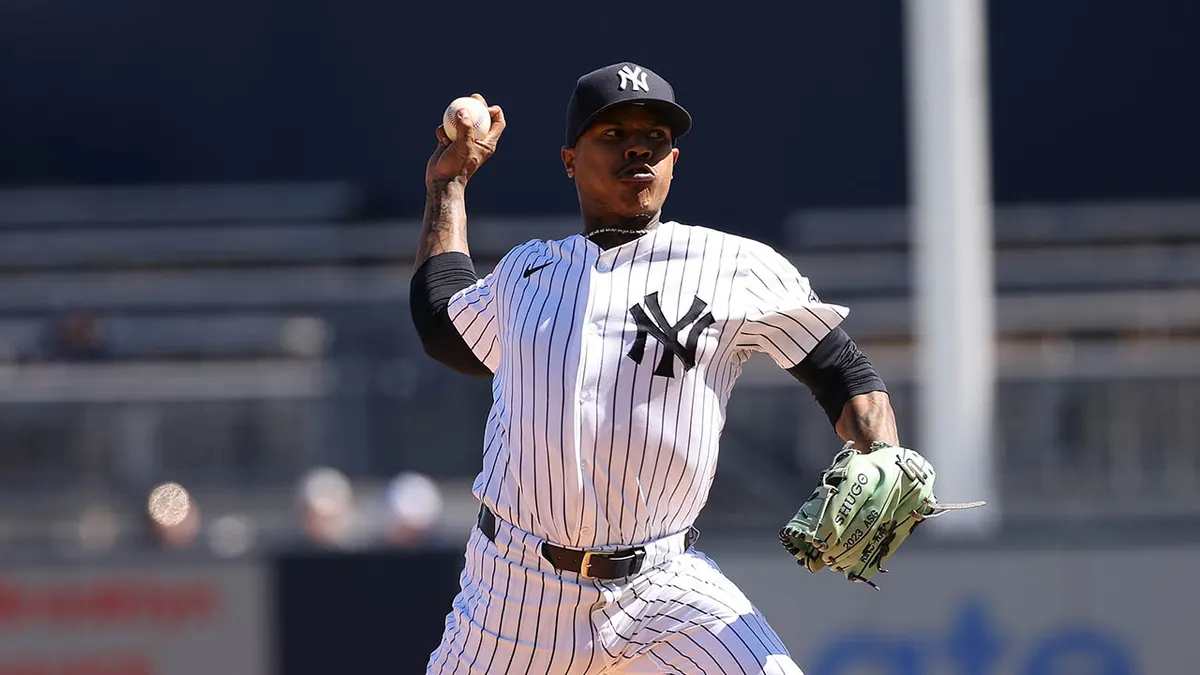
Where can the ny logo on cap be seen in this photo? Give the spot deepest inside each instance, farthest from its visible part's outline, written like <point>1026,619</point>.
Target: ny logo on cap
<point>636,77</point>
<point>656,325</point>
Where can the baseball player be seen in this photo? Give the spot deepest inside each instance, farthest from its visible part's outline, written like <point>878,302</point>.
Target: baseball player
<point>612,354</point>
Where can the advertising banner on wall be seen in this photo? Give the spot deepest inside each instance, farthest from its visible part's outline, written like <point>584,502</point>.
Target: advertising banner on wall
<point>1006,612</point>
<point>135,619</point>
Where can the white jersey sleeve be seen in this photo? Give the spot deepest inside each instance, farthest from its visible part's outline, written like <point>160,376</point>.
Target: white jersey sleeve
<point>473,312</point>
<point>477,311</point>
<point>784,318</point>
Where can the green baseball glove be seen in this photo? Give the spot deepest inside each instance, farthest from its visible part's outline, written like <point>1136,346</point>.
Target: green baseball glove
<point>865,507</point>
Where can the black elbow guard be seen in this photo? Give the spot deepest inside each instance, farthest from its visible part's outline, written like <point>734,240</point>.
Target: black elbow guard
<point>433,284</point>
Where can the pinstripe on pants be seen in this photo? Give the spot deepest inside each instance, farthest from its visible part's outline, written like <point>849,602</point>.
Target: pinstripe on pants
<point>517,614</point>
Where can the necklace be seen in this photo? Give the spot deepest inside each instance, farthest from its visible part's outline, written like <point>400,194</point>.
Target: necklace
<point>604,230</point>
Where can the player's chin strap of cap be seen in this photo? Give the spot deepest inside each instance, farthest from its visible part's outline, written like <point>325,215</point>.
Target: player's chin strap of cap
<point>588,564</point>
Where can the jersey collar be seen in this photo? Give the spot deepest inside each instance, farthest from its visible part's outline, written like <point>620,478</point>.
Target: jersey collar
<point>605,259</point>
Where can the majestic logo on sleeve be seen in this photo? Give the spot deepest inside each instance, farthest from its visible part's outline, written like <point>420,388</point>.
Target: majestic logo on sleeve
<point>656,325</point>
<point>635,76</point>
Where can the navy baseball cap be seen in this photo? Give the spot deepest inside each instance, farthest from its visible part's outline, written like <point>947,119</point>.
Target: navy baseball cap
<point>620,83</point>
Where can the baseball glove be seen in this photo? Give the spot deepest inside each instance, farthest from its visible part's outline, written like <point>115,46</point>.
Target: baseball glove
<point>865,507</point>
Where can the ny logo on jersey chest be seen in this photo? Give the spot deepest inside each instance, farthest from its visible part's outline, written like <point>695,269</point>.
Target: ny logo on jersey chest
<point>650,321</point>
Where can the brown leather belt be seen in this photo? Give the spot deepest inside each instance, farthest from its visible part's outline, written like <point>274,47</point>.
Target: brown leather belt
<point>589,564</point>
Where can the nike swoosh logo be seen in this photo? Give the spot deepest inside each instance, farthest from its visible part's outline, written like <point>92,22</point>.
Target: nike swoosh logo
<point>531,270</point>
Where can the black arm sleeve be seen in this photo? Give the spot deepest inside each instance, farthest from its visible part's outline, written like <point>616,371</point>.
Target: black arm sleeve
<point>434,282</point>
<point>836,371</point>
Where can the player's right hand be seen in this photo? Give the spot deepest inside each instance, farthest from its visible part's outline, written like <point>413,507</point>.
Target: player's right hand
<point>459,159</point>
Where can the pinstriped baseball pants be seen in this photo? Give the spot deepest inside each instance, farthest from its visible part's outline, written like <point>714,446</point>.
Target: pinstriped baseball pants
<point>516,614</point>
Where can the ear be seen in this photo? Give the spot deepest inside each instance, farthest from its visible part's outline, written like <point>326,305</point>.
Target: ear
<point>568,160</point>
<point>674,156</point>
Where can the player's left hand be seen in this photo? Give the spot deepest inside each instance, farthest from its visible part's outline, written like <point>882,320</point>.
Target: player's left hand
<point>865,507</point>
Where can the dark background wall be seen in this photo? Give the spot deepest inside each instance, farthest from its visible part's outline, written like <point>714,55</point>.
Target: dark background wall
<point>372,611</point>
<point>795,106</point>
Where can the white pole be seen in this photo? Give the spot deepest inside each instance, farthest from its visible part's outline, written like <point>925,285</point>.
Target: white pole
<point>951,207</point>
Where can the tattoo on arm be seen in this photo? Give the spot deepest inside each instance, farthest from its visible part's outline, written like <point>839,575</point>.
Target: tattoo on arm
<point>444,223</point>
<point>867,418</point>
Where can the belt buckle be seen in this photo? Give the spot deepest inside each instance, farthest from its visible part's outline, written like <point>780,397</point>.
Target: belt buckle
<point>585,564</point>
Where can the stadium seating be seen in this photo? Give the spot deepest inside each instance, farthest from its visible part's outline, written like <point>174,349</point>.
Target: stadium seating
<point>237,315</point>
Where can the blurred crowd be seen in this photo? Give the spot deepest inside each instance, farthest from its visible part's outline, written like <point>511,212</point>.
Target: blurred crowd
<point>330,512</point>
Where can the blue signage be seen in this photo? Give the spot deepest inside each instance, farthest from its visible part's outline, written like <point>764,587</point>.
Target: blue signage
<point>974,645</point>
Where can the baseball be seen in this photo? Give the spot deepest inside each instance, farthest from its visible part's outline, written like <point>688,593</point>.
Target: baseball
<point>478,114</point>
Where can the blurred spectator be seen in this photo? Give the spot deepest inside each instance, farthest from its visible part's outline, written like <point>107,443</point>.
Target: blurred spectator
<point>326,503</point>
<point>99,528</point>
<point>413,505</point>
<point>305,337</point>
<point>174,516</point>
<point>78,336</point>
<point>231,535</point>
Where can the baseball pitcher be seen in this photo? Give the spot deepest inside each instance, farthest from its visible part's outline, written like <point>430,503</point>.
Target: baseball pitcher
<point>612,354</point>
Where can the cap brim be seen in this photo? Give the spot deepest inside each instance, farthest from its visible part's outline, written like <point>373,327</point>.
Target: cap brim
<point>679,119</point>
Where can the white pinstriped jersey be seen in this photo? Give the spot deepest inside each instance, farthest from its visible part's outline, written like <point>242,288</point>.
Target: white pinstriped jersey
<point>612,371</point>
